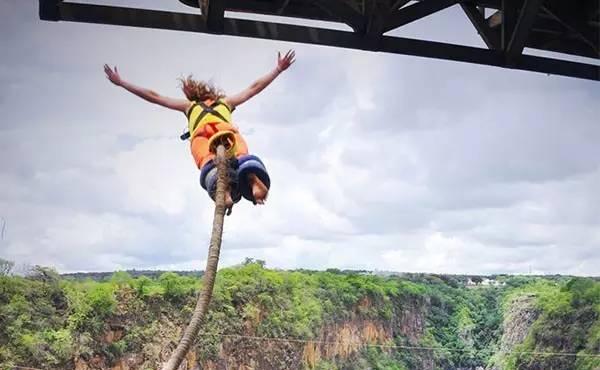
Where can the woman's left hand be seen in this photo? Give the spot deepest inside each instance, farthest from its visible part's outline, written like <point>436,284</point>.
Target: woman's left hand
<point>285,62</point>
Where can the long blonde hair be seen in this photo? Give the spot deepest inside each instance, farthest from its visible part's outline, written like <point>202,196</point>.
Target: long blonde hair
<point>200,90</point>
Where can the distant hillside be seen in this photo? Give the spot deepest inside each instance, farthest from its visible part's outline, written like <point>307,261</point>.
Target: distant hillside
<point>103,276</point>
<point>320,320</point>
<point>456,279</point>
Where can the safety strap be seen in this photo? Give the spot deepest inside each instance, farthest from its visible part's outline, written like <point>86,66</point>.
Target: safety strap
<point>206,109</point>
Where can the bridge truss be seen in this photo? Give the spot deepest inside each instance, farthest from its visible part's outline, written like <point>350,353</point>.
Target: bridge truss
<point>507,27</point>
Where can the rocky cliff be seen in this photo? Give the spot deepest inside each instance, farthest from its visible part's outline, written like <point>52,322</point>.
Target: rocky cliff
<point>266,319</point>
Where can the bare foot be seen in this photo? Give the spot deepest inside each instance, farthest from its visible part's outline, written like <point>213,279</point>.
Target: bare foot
<point>259,189</point>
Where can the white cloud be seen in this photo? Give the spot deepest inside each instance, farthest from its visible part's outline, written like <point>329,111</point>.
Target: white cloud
<point>157,175</point>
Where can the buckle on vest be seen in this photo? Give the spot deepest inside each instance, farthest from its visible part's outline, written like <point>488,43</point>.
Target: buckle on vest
<point>225,138</point>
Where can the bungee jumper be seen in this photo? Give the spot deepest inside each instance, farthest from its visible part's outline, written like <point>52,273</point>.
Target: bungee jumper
<point>208,111</point>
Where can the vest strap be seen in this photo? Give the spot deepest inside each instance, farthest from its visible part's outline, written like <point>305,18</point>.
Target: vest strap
<point>206,109</point>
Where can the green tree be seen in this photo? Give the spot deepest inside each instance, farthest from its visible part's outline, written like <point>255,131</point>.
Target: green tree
<point>45,274</point>
<point>6,267</point>
<point>121,279</point>
<point>141,285</point>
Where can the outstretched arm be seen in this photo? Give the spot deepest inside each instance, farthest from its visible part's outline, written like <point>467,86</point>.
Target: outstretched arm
<point>259,85</point>
<point>146,94</point>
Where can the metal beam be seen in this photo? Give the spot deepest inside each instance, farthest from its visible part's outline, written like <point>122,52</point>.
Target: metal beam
<point>416,11</point>
<point>490,4</point>
<point>342,10</point>
<point>281,5</point>
<point>213,13</point>
<point>490,36</point>
<point>550,33</point>
<point>577,25</point>
<point>558,67</point>
<point>510,11</point>
<point>521,31</point>
<point>293,9</point>
<point>77,12</point>
<point>399,4</point>
<point>563,43</point>
<point>376,13</point>
<point>120,16</point>
<point>49,10</point>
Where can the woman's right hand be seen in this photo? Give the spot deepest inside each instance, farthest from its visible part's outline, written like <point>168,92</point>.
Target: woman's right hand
<point>113,76</point>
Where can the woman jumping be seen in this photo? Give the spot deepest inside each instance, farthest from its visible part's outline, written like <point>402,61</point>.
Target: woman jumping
<point>208,111</point>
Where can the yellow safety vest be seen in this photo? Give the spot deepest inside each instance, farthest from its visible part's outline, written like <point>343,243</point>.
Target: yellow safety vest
<point>201,113</point>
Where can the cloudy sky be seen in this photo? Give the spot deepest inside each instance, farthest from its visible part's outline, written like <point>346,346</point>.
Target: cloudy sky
<point>378,161</point>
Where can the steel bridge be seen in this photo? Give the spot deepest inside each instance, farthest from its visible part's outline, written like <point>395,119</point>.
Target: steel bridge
<point>567,27</point>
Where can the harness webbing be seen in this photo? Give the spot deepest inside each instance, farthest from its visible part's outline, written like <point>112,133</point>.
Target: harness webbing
<point>206,109</point>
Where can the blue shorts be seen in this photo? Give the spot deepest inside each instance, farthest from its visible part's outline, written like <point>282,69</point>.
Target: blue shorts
<point>239,170</point>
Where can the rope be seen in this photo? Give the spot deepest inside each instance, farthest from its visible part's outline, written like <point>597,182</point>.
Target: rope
<point>212,261</point>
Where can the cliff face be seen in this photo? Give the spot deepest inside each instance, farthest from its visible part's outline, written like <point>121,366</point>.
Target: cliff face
<point>548,326</point>
<point>520,315</point>
<point>272,320</point>
<point>339,343</point>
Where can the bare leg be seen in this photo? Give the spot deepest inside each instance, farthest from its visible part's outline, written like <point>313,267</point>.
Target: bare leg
<point>259,189</point>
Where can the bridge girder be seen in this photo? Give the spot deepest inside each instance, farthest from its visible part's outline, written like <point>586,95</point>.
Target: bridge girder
<point>550,25</point>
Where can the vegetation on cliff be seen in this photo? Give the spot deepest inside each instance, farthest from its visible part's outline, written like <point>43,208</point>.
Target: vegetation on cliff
<point>335,320</point>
